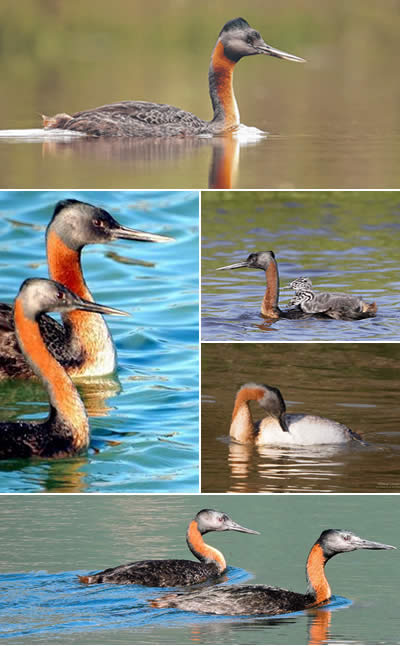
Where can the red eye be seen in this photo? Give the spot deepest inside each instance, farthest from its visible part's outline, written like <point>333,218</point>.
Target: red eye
<point>98,223</point>
<point>60,296</point>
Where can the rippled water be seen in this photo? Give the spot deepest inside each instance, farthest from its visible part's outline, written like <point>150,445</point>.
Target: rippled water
<point>356,384</point>
<point>344,241</point>
<point>145,423</point>
<point>42,601</point>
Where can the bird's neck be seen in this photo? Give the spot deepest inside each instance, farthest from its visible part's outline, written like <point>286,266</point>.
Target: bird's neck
<point>66,405</point>
<point>242,426</point>
<point>269,305</point>
<point>88,329</point>
<point>220,81</point>
<point>201,550</point>
<point>318,585</point>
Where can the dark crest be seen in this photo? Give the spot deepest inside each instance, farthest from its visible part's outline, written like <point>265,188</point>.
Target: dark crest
<point>236,23</point>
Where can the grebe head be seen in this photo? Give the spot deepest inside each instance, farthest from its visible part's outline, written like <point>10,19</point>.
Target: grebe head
<point>336,541</point>
<point>257,260</point>
<point>239,40</point>
<point>78,223</point>
<point>210,520</point>
<point>271,400</point>
<point>40,295</point>
<point>300,284</point>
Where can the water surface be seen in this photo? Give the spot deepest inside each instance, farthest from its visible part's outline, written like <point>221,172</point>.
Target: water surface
<point>343,241</point>
<point>332,122</point>
<point>145,422</point>
<point>355,384</point>
<point>46,541</point>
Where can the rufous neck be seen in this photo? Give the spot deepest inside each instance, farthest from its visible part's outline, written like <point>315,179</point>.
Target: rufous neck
<point>201,550</point>
<point>318,585</point>
<point>64,397</point>
<point>65,265</point>
<point>269,306</point>
<point>242,426</point>
<point>220,81</point>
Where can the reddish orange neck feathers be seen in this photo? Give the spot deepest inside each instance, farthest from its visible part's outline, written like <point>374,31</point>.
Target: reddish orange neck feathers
<point>201,550</point>
<point>269,306</point>
<point>65,266</point>
<point>62,393</point>
<point>316,578</point>
<point>222,68</point>
<point>242,427</point>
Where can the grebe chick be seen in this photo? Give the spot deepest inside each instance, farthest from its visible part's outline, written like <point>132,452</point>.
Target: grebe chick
<point>143,119</point>
<point>173,572</point>
<point>277,427</point>
<point>66,430</point>
<point>300,284</point>
<point>83,344</point>
<point>266,600</point>
<point>338,306</point>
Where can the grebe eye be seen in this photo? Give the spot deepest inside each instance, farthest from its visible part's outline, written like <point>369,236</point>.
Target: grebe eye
<point>346,538</point>
<point>60,296</point>
<point>98,223</point>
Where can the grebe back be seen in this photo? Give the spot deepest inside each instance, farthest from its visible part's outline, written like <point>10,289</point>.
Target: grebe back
<point>267,600</point>
<point>177,572</point>
<point>144,119</point>
<point>66,430</point>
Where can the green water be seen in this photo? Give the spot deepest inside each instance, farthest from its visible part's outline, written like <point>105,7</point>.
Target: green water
<point>356,384</point>
<point>344,241</point>
<point>332,122</point>
<point>46,541</point>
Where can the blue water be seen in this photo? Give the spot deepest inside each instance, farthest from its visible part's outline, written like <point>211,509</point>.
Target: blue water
<point>61,607</point>
<point>144,423</point>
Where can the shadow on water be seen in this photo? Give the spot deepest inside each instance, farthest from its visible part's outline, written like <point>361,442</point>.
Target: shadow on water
<point>140,153</point>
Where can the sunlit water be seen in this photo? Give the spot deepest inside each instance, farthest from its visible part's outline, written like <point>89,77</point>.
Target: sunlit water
<point>356,385</point>
<point>46,542</point>
<point>144,423</point>
<point>343,241</point>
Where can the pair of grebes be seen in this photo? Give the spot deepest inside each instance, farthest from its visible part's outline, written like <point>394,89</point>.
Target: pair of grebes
<point>32,343</point>
<point>231,599</point>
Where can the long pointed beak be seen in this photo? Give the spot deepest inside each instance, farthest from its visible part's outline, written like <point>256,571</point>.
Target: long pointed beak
<point>283,423</point>
<point>87,306</point>
<point>271,51</point>
<point>236,265</point>
<point>231,525</point>
<point>363,544</point>
<point>125,233</point>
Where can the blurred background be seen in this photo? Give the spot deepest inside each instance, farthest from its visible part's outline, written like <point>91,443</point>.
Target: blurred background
<point>333,122</point>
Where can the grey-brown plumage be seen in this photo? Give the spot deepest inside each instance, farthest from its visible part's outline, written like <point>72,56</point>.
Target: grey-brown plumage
<point>336,305</point>
<point>267,600</point>
<point>146,119</point>
<point>177,572</point>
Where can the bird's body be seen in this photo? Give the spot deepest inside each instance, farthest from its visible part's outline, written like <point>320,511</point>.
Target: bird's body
<point>66,430</point>
<point>147,119</point>
<point>177,572</point>
<point>83,344</point>
<point>308,303</point>
<point>268,600</point>
<point>278,428</point>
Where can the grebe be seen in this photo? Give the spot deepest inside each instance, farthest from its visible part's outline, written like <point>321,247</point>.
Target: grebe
<point>83,346</point>
<point>338,306</point>
<point>173,572</point>
<point>278,428</point>
<point>143,119</point>
<point>266,600</point>
<point>66,430</point>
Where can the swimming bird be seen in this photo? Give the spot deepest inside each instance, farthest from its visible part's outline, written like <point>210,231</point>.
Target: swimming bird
<point>277,427</point>
<point>267,600</point>
<point>173,572</point>
<point>83,344</point>
<point>66,430</point>
<point>331,305</point>
<point>144,119</point>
